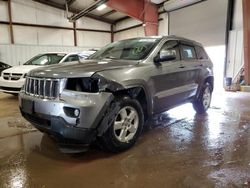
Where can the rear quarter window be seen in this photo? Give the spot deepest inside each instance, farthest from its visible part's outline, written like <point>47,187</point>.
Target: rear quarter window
<point>201,53</point>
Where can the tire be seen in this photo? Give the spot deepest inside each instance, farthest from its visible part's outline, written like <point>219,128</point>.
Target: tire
<point>202,103</point>
<point>126,126</point>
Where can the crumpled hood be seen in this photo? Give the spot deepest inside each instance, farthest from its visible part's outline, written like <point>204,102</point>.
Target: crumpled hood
<point>82,69</point>
<point>22,69</point>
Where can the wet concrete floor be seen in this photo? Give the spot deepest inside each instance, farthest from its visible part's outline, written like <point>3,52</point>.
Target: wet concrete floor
<point>180,149</point>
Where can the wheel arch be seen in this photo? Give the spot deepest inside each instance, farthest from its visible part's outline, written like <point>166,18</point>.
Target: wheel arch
<point>210,80</point>
<point>135,91</point>
<point>141,94</point>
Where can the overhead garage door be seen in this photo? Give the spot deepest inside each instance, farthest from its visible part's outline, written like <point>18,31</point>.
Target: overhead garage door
<point>204,22</point>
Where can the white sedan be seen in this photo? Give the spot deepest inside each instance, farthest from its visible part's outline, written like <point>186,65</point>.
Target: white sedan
<point>12,79</point>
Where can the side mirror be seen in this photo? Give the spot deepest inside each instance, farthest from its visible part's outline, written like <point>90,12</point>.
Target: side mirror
<point>165,55</point>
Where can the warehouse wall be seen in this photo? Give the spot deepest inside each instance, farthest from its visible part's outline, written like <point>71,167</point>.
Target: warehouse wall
<point>131,33</point>
<point>32,39</point>
<point>92,39</point>
<point>138,31</point>
<point>204,22</point>
<point>235,60</point>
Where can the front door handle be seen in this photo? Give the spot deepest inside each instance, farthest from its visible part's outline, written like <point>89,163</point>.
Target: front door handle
<point>181,67</point>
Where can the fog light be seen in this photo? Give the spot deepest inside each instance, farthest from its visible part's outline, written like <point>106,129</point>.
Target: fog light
<point>76,112</point>
<point>71,112</point>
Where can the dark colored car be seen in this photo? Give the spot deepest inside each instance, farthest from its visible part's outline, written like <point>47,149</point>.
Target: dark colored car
<point>109,96</point>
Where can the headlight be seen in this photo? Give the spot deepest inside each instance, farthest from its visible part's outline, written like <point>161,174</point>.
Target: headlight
<point>93,84</point>
<point>83,84</point>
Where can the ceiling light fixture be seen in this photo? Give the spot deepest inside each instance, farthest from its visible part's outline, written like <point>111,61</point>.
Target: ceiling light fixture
<point>101,7</point>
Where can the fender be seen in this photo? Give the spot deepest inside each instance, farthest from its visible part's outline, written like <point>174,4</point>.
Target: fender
<point>113,86</point>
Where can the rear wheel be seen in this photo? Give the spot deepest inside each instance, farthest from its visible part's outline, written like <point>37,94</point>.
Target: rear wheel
<point>126,126</point>
<point>202,103</point>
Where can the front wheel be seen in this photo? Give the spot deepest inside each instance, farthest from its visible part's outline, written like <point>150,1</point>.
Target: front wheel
<point>126,126</point>
<point>202,103</point>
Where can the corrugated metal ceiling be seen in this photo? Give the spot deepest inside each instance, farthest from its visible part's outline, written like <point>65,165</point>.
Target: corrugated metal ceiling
<point>107,14</point>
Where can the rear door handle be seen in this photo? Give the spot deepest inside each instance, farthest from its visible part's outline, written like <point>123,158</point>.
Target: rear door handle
<point>198,65</point>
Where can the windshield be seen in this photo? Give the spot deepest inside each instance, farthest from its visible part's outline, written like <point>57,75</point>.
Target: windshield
<point>45,59</point>
<point>131,49</point>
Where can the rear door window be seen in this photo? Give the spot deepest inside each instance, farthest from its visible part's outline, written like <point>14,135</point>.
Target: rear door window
<point>187,52</point>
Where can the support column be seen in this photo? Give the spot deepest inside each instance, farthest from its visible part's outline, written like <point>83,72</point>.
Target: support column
<point>75,34</point>
<point>246,30</point>
<point>11,24</point>
<point>112,32</point>
<point>150,19</point>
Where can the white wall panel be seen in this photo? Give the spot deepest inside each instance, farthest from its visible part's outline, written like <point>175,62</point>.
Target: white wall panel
<point>238,15</point>
<point>126,23</point>
<point>28,11</point>
<point>132,33</point>
<point>55,37</point>
<point>42,36</point>
<point>93,39</point>
<point>88,23</point>
<point>23,11</point>
<point>235,59</point>
<point>239,53</point>
<point>4,11</point>
<point>204,22</point>
<point>163,25</point>
<point>25,35</point>
<point>19,54</point>
<point>67,37</point>
<point>235,53</point>
<point>4,34</point>
<point>47,15</point>
<point>49,36</point>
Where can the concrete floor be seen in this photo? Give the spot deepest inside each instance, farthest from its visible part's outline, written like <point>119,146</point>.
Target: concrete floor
<point>181,150</point>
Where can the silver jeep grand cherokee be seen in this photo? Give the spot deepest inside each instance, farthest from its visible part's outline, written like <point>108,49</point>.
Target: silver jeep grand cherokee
<point>109,96</point>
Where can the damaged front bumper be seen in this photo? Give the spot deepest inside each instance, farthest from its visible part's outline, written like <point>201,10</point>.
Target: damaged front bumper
<point>72,119</point>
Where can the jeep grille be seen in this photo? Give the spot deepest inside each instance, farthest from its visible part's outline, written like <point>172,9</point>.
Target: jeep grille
<point>42,88</point>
